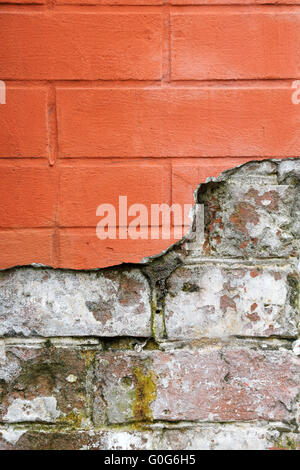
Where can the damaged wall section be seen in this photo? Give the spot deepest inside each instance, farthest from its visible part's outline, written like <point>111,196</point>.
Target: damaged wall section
<point>195,349</point>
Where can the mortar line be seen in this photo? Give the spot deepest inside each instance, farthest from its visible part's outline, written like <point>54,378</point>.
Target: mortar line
<point>52,134</point>
<point>155,84</point>
<point>52,125</point>
<point>166,49</point>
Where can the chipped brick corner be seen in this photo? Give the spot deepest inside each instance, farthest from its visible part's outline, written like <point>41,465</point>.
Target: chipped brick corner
<point>195,349</point>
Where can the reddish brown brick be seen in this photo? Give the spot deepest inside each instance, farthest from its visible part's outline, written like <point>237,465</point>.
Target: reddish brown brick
<point>229,384</point>
<point>42,385</point>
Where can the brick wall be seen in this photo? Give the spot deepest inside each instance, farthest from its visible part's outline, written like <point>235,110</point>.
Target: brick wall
<point>143,98</point>
<point>195,349</point>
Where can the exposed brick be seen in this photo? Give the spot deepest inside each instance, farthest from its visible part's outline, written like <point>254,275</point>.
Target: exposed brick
<point>250,214</point>
<point>223,300</point>
<point>205,437</point>
<point>157,122</point>
<point>187,174</point>
<point>142,183</point>
<point>78,440</point>
<point>35,385</point>
<point>80,45</point>
<point>23,131</point>
<point>197,348</point>
<point>229,384</point>
<point>211,45</point>
<point>229,437</point>
<point>26,246</point>
<point>46,302</point>
<point>28,196</point>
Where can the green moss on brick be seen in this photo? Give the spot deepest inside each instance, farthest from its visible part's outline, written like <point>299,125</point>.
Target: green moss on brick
<point>145,394</point>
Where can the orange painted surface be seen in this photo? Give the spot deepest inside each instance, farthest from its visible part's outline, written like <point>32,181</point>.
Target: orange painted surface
<point>235,45</point>
<point>23,129</point>
<point>180,122</point>
<point>136,98</point>
<point>80,45</point>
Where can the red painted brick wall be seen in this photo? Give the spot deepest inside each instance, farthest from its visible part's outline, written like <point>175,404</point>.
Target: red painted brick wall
<point>142,98</point>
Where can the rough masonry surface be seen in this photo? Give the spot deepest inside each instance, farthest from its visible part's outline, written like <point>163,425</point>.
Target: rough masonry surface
<point>197,348</point>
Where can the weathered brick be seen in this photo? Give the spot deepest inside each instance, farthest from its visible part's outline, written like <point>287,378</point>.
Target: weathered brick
<point>219,300</point>
<point>229,437</point>
<point>19,135</point>
<point>187,174</point>
<point>46,302</point>
<point>77,440</point>
<point>65,393</point>
<point>227,384</point>
<point>211,45</point>
<point>247,213</point>
<point>80,45</point>
<point>95,122</point>
<point>42,385</point>
<point>205,437</point>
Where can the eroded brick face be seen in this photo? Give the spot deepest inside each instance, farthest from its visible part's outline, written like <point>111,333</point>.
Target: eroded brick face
<point>197,348</point>
<point>252,214</point>
<point>42,385</point>
<point>110,303</point>
<point>222,300</point>
<point>225,384</point>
